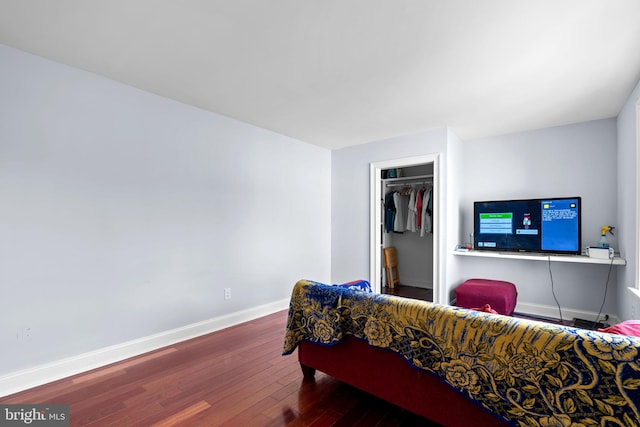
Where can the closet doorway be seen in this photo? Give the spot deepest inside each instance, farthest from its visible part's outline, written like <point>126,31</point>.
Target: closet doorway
<point>418,253</point>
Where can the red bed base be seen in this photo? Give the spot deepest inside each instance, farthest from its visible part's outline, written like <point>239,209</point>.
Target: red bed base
<point>388,376</point>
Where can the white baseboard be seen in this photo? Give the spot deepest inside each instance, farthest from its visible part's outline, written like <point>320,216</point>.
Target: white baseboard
<point>567,313</point>
<point>38,375</point>
<point>417,282</point>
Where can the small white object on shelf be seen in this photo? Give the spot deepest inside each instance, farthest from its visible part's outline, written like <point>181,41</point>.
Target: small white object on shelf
<point>601,253</point>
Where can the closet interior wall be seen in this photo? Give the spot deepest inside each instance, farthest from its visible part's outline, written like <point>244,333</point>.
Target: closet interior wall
<point>415,252</point>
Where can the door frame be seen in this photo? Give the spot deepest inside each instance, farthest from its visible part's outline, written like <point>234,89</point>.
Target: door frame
<point>375,218</point>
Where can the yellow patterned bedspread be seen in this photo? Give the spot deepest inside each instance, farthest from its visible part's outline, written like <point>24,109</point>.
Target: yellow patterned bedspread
<point>529,373</point>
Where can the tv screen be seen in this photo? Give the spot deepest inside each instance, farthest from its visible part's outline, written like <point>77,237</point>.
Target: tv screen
<point>530,225</point>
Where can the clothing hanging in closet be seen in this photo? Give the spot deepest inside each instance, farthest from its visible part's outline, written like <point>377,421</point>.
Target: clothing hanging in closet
<point>427,212</point>
<point>409,210</point>
<point>411,215</point>
<point>389,212</point>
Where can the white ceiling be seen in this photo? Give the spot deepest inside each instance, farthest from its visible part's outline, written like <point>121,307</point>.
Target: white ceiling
<point>343,72</point>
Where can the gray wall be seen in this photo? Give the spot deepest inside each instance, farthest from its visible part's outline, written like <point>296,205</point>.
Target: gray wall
<point>125,214</point>
<point>560,161</point>
<point>455,169</point>
<point>628,304</point>
<point>574,160</point>
<point>350,196</point>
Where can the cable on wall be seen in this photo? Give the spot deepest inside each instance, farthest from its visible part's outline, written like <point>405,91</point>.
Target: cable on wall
<point>553,292</point>
<point>604,298</point>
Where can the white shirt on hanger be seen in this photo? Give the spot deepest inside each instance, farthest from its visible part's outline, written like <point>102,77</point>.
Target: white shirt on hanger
<point>424,226</point>
<point>411,216</point>
<point>401,212</point>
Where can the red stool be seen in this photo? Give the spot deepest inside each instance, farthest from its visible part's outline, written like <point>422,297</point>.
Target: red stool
<point>474,293</point>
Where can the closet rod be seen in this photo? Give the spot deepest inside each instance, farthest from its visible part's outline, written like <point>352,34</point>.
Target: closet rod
<point>406,184</point>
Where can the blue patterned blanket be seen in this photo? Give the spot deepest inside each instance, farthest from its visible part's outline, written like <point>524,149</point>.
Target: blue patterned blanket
<point>528,373</point>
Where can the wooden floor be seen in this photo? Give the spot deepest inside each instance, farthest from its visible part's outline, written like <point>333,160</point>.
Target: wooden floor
<point>233,377</point>
<point>409,292</point>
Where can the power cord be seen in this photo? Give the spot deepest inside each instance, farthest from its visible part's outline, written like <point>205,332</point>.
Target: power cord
<point>553,292</point>
<point>606,287</point>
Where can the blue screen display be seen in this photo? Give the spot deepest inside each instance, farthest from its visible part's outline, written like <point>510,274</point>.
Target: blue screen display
<point>529,225</point>
<point>560,225</point>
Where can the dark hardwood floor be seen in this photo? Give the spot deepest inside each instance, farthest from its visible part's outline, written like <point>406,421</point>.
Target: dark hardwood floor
<point>409,292</point>
<point>233,377</point>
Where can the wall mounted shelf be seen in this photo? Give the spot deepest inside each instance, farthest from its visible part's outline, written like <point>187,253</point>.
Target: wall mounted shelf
<point>542,257</point>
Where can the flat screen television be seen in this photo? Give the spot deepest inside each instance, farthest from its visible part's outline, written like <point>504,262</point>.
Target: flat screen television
<point>530,225</point>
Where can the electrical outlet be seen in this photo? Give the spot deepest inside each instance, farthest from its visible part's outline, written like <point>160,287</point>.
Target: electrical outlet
<point>24,335</point>
<point>227,293</point>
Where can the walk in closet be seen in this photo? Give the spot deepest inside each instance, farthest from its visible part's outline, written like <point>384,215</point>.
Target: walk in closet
<point>407,221</point>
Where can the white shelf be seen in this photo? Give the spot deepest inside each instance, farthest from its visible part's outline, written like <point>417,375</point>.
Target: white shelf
<point>542,257</point>
<point>402,179</point>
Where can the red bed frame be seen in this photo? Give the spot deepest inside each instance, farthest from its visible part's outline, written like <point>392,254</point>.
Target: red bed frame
<point>390,377</point>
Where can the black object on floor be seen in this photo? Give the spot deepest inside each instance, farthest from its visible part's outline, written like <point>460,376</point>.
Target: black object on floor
<point>587,324</point>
